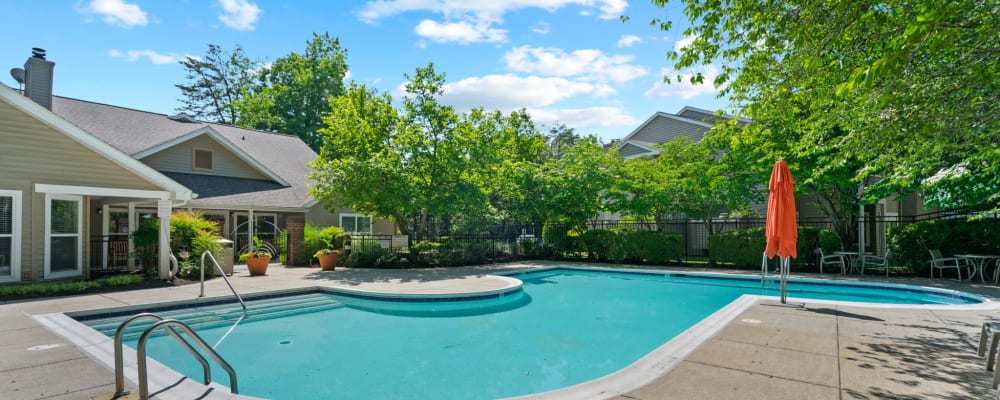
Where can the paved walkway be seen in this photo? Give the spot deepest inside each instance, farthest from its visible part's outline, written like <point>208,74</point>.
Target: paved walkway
<point>768,352</point>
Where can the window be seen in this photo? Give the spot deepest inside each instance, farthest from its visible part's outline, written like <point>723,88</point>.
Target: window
<point>63,236</point>
<point>10,235</point>
<point>203,160</point>
<point>355,223</point>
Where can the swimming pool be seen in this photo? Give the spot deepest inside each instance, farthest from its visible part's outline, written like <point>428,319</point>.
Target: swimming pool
<point>565,326</point>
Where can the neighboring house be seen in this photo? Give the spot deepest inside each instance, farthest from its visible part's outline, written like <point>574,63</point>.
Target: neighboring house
<point>252,183</point>
<point>663,127</point>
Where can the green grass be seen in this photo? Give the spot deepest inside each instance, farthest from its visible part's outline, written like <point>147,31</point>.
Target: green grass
<point>59,288</point>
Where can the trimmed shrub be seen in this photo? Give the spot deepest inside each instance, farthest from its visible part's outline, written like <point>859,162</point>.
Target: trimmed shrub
<point>654,247</point>
<point>370,254</point>
<point>560,238</point>
<point>910,243</point>
<point>744,248</point>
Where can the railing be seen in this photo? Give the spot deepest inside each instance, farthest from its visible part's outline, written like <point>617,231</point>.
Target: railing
<point>222,273</point>
<point>167,325</point>
<point>119,356</point>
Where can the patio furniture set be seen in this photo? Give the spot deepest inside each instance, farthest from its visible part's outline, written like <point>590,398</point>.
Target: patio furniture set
<point>975,264</point>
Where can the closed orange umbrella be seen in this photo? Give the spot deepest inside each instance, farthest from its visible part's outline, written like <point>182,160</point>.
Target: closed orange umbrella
<point>782,231</point>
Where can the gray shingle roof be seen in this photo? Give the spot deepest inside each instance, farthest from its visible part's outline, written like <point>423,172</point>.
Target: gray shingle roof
<point>133,131</point>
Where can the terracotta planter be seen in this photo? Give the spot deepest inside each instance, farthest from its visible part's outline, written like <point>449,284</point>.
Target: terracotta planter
<point>258,265</point>
<point>328,261</point>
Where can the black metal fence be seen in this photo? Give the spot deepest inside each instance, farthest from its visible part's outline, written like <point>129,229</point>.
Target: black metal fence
<point>511,241</point>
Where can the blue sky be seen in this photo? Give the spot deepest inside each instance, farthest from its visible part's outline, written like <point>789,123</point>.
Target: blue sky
<point>566,61</point>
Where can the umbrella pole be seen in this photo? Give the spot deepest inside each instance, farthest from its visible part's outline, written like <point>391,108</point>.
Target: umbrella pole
<point>763,270</point>
<point>784,278</point>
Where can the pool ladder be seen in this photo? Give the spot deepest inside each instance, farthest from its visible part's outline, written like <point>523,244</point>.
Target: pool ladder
<point>169,326</point>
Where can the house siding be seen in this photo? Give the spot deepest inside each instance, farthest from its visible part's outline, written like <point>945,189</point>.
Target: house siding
<point>630,150</point>
<point>663,129</point>
<point>179,159</point>
<point>34,153</point>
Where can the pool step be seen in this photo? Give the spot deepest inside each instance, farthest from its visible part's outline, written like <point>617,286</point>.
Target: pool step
<point>227,314</point>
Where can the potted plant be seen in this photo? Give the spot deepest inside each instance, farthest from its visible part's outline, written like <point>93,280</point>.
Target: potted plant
<point>327,258</point>
<point>256,259</point>
<point>333,239</point>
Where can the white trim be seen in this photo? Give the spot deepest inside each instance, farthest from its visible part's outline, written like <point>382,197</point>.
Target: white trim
<point>15,238</point>
<point>101,191</point>
<point>26,105</point>
<point>194,159</point>
<point>48,236</point>
<point>212,133</point>
<point>356,216</point>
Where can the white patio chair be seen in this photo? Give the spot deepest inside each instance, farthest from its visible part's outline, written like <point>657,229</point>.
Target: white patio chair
<point>940,262</point>
<point>876,261</point>
<point>833,259</point>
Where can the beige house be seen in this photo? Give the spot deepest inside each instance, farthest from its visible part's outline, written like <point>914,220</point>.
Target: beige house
<point>52,173</point>
<point>79,179</point>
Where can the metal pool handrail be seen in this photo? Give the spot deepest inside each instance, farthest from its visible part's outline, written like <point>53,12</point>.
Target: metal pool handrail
<point>119,356</point>
<point>168,324</point>
<point>222,273</point>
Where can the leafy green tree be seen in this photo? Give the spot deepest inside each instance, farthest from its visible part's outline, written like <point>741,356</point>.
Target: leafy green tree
<point>559,137</point>
<point>700,180</point>
<point>910,85</point>
<point>574,187</point>
<point>293,94</point>
<point>216,84</point>
<point>423,163</point>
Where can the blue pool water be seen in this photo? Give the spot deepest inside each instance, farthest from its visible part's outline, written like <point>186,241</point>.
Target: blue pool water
<point>565,327</point>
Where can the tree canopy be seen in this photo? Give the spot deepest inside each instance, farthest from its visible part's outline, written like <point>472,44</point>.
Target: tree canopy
<point>903,90</point>
<point>216,84</point>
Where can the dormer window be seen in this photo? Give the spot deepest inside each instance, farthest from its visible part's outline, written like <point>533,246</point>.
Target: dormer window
<point>203,160</point>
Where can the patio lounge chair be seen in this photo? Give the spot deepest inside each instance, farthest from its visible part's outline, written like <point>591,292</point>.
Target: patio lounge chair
<point>876,261</point>
<point>833,259</point>
<point>940,262</point>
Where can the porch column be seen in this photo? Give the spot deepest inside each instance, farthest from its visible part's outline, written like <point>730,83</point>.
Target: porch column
<point>250,232</point>
<point>163,208</point>
<point>105,221</point>
<point>133,224</point>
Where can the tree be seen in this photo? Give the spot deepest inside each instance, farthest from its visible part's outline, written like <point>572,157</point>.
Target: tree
<point>216,84</point>
<point>293,94</point>
<point>423,165</point>
<point>911,85</point>
<point>700,180</point>
<point>575,185</point>
<point>559,138</point>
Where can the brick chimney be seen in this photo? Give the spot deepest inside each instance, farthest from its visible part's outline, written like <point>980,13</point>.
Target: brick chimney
<point>38,78</point>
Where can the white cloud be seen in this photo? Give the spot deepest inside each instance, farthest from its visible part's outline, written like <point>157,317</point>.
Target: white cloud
<point>450,9</point>
<point>511,92</point>
<point>585,64</point>
<point>116,12</point>
<point>685,42</point>
<point>584,118</point>
<point>152,55</point>
<point>240,15</point>
<point>542,28</point>
<point>347,75</point>
<point>684,89</point>
<point>628,40</point>
<point>464,32</point>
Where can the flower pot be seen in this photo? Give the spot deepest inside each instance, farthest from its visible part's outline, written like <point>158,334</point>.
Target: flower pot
<point>258,265</point>
<point>328,261</point>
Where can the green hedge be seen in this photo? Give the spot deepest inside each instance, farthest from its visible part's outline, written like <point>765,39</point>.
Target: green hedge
<point>63,288</point>
<point>910,243</point>
<point>743,248</point>
<point>618,246</point>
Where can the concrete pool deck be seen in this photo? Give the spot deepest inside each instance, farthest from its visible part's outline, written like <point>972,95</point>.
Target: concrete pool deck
<point>821,351</point>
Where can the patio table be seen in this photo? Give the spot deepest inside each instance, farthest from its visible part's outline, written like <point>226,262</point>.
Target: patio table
<point>852,259</point>
<point>979,263</point>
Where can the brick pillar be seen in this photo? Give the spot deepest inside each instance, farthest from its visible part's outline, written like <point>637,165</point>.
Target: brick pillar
<point>295,226</point>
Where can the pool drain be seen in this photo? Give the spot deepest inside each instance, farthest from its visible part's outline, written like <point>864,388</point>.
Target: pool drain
<point>285,342</point>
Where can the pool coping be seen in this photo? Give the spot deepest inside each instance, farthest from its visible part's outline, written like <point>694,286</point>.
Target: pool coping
<point>652,366</point>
